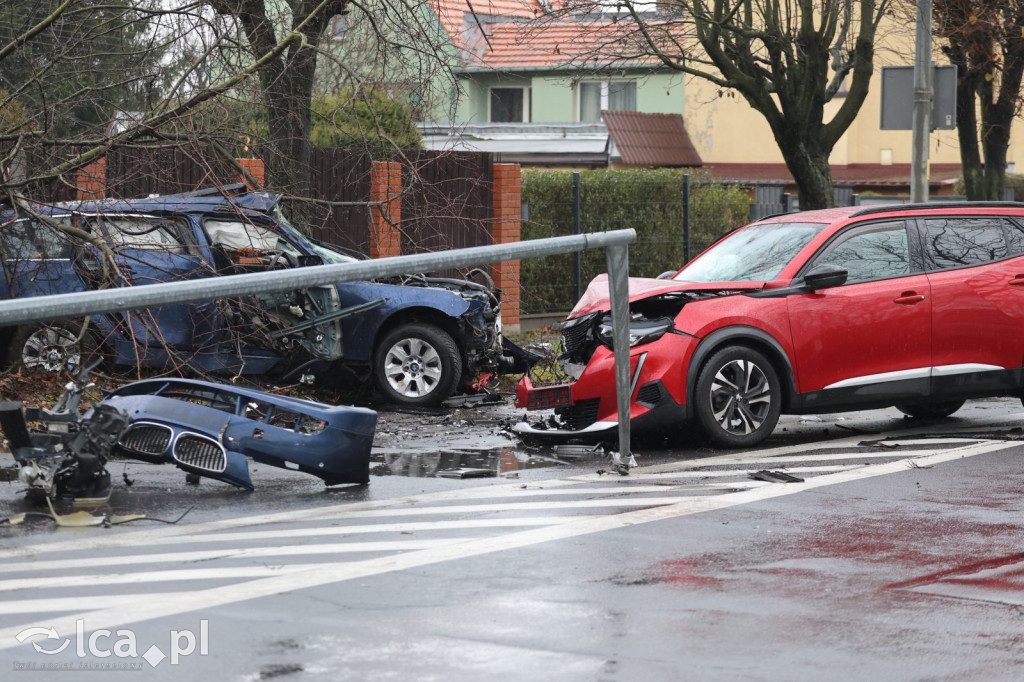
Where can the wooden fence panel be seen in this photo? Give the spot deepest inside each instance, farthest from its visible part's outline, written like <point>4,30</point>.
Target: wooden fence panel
<point>140,172</point>
<point>37,159</point>
<point>446,202</point>
<point>340,176</point>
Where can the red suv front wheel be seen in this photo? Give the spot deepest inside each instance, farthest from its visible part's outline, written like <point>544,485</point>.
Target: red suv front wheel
<point>738,397</point>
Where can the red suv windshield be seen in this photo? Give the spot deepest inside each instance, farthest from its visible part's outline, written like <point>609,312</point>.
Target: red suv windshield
<point>755,253</point>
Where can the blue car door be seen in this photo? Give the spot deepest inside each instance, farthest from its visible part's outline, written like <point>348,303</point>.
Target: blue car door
<point>146,250</point>
<point>37,260</point>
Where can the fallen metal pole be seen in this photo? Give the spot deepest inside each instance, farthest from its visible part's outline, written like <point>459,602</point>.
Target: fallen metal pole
<point>617,256</point>
<point>42,308</point>
<point>57,306</point>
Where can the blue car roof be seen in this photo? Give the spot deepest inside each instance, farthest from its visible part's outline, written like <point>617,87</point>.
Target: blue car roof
<point>262,202</point>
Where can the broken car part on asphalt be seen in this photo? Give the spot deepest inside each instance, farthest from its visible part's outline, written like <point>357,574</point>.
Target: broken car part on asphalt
<point>204,428</point>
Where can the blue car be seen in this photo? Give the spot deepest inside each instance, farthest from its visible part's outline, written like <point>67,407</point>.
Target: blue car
<point>418,339</point>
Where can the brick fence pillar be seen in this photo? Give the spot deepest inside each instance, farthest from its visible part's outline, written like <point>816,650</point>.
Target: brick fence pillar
<point>507,228</point>
<point>256,170</point>
<point>91,181</point>
<point>386,209</point>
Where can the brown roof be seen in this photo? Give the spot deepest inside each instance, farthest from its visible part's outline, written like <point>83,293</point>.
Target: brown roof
<point>517,45</point>
<point>503,35</point>
<point>453,13</point>
<point>651,139</point>
<point>860,174</point>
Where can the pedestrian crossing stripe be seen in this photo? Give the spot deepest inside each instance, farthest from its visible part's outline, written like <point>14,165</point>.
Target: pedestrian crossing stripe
<point>266,581</point>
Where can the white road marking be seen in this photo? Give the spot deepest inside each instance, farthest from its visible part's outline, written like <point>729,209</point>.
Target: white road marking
<point>125,538</point>
<point>226,553</point>
<point>233,573</point>
<point>154,535</point>
<point>541,491</point>
<point>406,527</point>
<point>722,473</point>
<point>298,577</point>
<point>21,606</point>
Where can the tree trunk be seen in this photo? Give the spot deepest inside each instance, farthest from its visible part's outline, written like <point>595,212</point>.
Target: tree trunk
<point>990,67</point>
<point>994,145</point>
<point>287,84</point>
<point>808,163</point>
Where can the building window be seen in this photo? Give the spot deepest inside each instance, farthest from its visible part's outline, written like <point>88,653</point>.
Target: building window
<point>639,6</point>
<point>337,27</point>
<point>612,95</point>
<point>509,105</point>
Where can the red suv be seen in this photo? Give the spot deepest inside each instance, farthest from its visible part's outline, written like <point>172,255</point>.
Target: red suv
<point>917,306</point>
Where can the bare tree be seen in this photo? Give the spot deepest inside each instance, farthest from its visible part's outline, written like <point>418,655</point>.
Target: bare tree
<point>985,40</point>
<point>788,60</point>
<point>140,96</point>
<point>287,79</point>
<point>85,80</point>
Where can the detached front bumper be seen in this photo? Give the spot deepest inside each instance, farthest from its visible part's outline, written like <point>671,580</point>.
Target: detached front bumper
<point>587,408</point>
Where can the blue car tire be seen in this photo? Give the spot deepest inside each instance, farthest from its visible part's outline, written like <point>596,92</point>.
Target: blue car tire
<point>417,364</point>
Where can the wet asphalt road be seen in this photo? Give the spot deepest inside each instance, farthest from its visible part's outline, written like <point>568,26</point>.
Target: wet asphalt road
<point>898,558</point>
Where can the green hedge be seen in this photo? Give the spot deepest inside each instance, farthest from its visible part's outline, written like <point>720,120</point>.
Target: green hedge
<point>648,200</point>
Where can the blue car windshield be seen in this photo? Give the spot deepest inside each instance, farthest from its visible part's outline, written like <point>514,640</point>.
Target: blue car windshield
<point>329,255</point>
<point>753,254</point>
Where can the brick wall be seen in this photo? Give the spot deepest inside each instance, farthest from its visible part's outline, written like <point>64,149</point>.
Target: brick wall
<point>255,170</point>
<point>506,229</point>
<point>91,181</point>
<point>386,209</point>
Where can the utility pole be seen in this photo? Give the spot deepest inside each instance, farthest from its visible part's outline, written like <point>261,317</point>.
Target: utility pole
<point>923,95</point>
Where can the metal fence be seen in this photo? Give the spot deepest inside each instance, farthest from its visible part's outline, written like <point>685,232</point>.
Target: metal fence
<point>673,224</point>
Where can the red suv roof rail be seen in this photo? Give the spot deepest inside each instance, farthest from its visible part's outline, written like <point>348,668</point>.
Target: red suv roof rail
<point>938,205</point>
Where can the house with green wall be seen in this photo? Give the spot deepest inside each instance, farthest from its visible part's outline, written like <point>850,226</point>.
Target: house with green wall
<point>531,86</point>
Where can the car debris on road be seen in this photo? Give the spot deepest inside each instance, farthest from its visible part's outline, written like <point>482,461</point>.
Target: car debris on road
<point>204,428</point>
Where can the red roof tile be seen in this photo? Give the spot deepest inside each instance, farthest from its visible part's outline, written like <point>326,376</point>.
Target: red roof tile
<point>502,35</point>
<point>514,45</point>
<point>651,139</point>
<point>456,15</point>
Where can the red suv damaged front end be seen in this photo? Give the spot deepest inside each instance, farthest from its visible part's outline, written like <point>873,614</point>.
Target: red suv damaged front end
<point>660,353</point>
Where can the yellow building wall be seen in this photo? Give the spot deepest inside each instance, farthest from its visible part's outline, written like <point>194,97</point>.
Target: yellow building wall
<point>726,129</point>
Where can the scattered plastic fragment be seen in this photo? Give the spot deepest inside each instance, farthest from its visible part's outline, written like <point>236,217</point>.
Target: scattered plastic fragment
<point>466,472</point>
<point>78,519</point>
<point>775,477</point>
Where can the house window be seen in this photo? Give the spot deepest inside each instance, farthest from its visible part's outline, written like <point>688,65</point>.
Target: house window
<point>598,95</point>
<point>337,27</point>
<point>624,6</point>
<point>509,105</point>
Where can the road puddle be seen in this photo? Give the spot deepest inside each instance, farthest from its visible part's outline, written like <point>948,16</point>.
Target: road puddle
<point>460,464</point>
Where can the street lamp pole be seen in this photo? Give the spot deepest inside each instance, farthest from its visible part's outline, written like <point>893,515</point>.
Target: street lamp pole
<point>923,95</point>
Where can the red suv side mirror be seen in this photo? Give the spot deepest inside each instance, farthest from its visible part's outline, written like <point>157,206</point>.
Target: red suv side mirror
<point>825,276</point>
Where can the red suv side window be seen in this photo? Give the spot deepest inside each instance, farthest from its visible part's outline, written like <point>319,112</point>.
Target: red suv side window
<point>961,242</point>
<point>872,252</point>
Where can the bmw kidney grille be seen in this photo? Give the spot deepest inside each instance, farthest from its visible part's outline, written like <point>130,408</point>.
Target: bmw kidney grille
<point>200,452</point>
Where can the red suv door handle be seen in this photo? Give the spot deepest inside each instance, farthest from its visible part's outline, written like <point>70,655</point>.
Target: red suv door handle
<point>909,298</point>
<point>1017,281</point>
